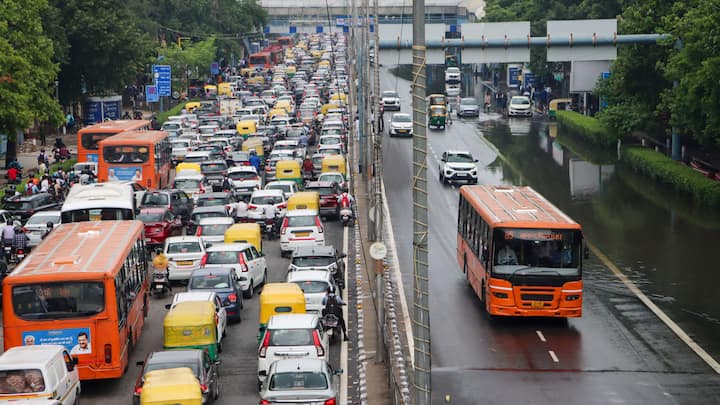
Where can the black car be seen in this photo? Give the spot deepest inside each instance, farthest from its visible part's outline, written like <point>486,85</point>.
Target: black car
<point>197,360</point>
<point>222,281</point>
<point>177,201</point>
<point>214,172</point>
<point>215,199</point>
<point>24,206</point>
<point>204,212</point>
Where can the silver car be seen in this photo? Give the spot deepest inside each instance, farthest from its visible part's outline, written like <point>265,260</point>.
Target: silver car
<point>468,107</point>
<point>299,382</point>
<point>36,225</point>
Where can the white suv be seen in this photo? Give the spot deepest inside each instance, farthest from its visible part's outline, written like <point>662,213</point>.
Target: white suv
<point>184,254</point>
<point>452,75</point>
<point>301,228</point>
<point>250,265</point>
<point>456,165</point>
<point>390,100</point>
<point>291,336</point>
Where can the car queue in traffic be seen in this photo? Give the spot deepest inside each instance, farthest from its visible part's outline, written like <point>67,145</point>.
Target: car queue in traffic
<point>265,160</point>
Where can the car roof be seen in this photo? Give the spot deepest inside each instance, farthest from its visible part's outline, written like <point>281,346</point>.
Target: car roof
<point>204,271</point>
<point>217,221</point>
<point>293,321</point>
<point>182,238</point>
<point>153,210</point>
<point>214,194</point>
<point>313,184</point>
<point>210,208</point>
<point>29,197</point>
<point>401,115</point>
<point>330,173</point>
<point>193,296</point>
<point>235,169</point>
<point>281,182</point>
<point>308,275</point>
<point>459,152</point>
<point>301,251</point>
<point>228,247</point>
<point>268,192</point>
<point>49,213</point>
<point>302,213</point>
<point>175,355</point>
<point>302,364</point>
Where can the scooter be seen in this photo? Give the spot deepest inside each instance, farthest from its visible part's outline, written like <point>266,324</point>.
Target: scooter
<point>9,257</point>
<point>160,284</point>
<point>331,326</point>
<point>346,216</point>
<point>19,255</point>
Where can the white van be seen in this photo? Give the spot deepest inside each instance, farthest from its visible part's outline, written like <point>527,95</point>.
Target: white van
<point>39,371</point>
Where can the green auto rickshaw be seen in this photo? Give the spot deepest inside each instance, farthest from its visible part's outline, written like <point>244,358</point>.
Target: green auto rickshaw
<point>557,104</point>
<point>438,116</point>
<point>192,325</point>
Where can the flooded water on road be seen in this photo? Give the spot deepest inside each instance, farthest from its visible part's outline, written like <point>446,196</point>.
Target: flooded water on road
<point>669,247</point>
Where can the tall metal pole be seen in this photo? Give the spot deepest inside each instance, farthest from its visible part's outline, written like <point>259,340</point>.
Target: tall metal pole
<point>421,303</point>
<point>379,353</point>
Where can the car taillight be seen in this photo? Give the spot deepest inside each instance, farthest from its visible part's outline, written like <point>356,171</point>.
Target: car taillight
<point>252,206</point>
<point>265,402</point>
<point>138,390</point>
<point>108,353</point>
<point>284,226</point>
<point>330,401</point>
<point>268,168</point>
<point>318,345</point>
<point>204,259</point>
<point>198,231</point>
<point>283,205</point>
<point>232,298</point>
<point>204,388</point>
<point>263,348</point>
<point>319,225</point>
<point>241,260</point>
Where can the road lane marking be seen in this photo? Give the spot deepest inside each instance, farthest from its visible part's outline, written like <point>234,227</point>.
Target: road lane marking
<point>541,336</point>
<point>397,276</point>
<point>553,356</point>
<point>705,356</point>
<point>343,346</point>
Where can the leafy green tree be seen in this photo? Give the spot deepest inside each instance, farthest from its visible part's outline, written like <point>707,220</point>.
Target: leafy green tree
<point>27,72</point>
<point>198,54</point>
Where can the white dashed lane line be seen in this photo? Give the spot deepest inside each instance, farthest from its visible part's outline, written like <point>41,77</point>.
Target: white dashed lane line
<point>553,356</point>
<point>541,336</point>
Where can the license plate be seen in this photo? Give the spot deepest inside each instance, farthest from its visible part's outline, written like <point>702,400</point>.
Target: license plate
<point>185,263</point>
<point>302,234</point>
<point>462,174</point>
<point>147,240</point>
<point>538,304</point>
<point>158,287</point>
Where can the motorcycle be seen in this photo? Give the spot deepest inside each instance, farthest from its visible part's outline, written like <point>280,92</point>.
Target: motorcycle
<point>346,216</point>
<point>9,257</point>
<point>160,284</point>
<point>331,326</point>
<point>19,255</point>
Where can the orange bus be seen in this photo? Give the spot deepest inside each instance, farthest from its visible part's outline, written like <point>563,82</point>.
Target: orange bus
<point>84,287</point>
<point>285,42</point>
<point>142,156</point>
<point>521,254</point>
<point>260,59</point>
<point>89,137</point>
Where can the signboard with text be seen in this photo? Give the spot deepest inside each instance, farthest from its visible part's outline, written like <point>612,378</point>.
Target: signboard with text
<point>163,80</point>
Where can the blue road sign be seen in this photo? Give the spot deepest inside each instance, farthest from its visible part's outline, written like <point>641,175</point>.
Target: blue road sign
<point>163,80</point>
<point>319,29</point>
<point>151,94</point>
<point>513,76</point>
<point>266,30</point>
<point>214,68</point>
<point>293,29</point>
<point>528,79</point>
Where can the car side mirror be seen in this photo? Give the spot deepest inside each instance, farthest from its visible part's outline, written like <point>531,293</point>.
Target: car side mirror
<point>338,371</point>
<point>168,306</point>
<point>443,160</point>
<point>140,363</point>
<point>476,160</point>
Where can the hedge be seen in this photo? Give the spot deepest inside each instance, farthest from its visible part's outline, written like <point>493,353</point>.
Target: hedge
<point>588,127</point>
<point>173,111</point>
<point>682,178</point>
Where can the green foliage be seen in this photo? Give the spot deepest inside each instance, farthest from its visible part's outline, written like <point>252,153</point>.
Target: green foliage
<point>588,127</point>
<point>173,111</point>
<point>682,178</point>
<point>27,73</point>
<point>198,54</point>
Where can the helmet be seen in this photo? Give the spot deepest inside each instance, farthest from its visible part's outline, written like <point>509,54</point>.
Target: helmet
<point>252,153</point>
<point>158,250</point>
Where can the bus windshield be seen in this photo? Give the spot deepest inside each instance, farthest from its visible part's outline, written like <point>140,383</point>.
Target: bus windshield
<point>537,251</point>
<point>90,141</point>
<point>126,154</point>
<point>72,299</point>
<point>97,214</point>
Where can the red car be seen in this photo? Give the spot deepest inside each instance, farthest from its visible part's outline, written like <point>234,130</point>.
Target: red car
<point>160,224</point>
<point>329,193</point>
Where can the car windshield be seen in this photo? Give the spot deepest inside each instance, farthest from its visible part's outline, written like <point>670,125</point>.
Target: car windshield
<point>212,214</point>
<point>330,140</point>
<point>18,205</point>
<point>266,200</point>
<point>154,199</point>
<point>213,229</point>
<point>149,217</point>
<point>305,220</point>
<point>43,219</point>
<point>298,380</point>
<point>58,301</point>
<point>460,158</point>
<point>184,247</point>
<point>210,202</point>
<point>313,261</point>
<point>291,337</point>
<point>520,101</point>
<point>312,287</point>
<point>468,101</point>
<point>164,365</point>
<point>209,282</point>
<point>401,118</point>
<point>213,167</point>
<point>186,183</point>
<point>223,257</point>
<point>389,94</point>
<point>237,176</point>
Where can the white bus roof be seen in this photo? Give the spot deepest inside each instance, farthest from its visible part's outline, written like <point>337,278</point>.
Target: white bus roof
<point>99,195</point>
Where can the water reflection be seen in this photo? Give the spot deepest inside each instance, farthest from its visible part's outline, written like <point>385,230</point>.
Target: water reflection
<point>663,241</point>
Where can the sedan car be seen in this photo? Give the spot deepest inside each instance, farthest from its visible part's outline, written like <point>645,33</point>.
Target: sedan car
<point>160,224</point>
<point>36,226</point>
<point>223,282</point>
<point>24,206</point>
<point>184,255</point>
<point>401,125</point>
<point>312,380</point>
<point>468,107</point>
<point>196,360</point>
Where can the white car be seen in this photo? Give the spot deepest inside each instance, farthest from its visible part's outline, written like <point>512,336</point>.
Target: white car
<point>288,187</point>
<point>245,180</point>
<point>291,336</point>
<point>263,198</point>
<point>184,255</point>
<point>207,296</point>
<point>249,265</point>
<point>191,182</point>
<point>457,165</point>
<point>330,150</point>
<point>301,228</point>
<point>212,230</point>
<point>390,100</point>
<point>332,140</point>
<point>180,148</point>
<point>452,90</point>
<point>314,284</point>
<point>452,75</point>
<point>401,125</point>
<point>520,106</point>
<point>36,225</point>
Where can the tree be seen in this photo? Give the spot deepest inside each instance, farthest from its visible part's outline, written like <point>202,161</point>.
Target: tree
<point>27,72</point>
<point>200,54</point>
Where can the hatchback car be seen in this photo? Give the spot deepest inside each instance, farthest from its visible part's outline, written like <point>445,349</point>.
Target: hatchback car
<point>212,199</point>
<point>334,177</point>
<point>24,206</point>
<point>212,230</point>
<point>291,336</point>
<point>468,107</point>
<point>214,172</point>
<point>249,265</point>
<point>160,224</point>
<point>192,183</point>
<point>176,201</point>
<point>401,125</point>
<point>184,254</point>
<point>520,106</point>
<point>196,360</point>
<point>313,380</point>
<point>205,212</point>
<point>245,180</point>
<point>315,284</point>
<point>36,226</point>
<point>300,228</point>
<point>198,156</point>
<point>329,193</point>
<point>223,282</point>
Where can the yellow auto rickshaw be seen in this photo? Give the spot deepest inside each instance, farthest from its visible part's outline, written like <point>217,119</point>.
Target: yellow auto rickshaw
<point>438,116</point>
<point>256,80</point>
<point>246,127</point>
<point>224,89</point>
<point>245,233</point>
<point>191,106</point>
<point>172,386</point>
<point>289,170</point>
<point>290,71</point>
<point>187,166</point>
<point>210,90</point>
<point>285,106</point>
<point>437,99</point>
<point>277,111</point>
<point>558,104</point>
<point>192,325</point>
<point>255,144</point>
<point>338,98</point>
<point>304,200</point>
<point>327,107</point>
<point>280,298</point>
<point>334,163</point>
